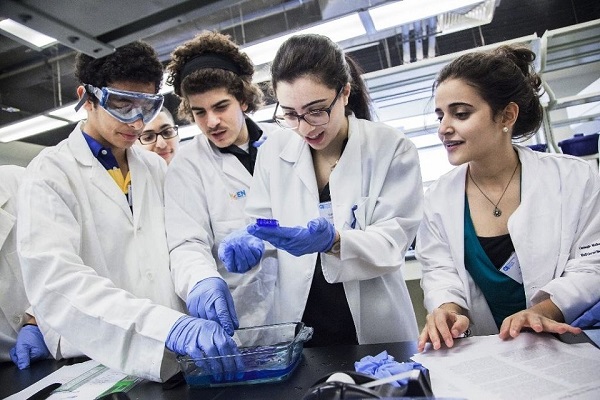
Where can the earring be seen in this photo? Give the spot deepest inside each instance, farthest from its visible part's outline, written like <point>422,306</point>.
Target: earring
<point>505,129</point>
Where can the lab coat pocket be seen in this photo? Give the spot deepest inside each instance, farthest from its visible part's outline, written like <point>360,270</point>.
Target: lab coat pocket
<point>254,300</point>
<point>358,216</point>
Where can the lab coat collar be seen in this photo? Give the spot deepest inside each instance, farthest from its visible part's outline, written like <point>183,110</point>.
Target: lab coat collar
<point>7,222</point>
<point>297,152</point>
<point>97,173</point>
<point>229,163</point>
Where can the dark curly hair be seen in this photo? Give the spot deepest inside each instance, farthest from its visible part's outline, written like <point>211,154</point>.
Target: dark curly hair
<point>134,62</point>
<point>205,79</point>
<point>500,76</point>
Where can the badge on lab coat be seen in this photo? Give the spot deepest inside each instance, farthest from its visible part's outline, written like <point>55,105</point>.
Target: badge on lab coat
<point>512,268</point>
<point>326,211</point>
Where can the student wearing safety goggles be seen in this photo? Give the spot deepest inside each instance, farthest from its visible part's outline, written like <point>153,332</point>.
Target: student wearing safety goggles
<point>161,135</point>
<point>207,183</point>
<point>91,231</point>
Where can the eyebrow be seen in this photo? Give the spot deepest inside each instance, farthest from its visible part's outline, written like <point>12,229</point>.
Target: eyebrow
<point>304,106</point>
<point>217,104</point>
<point>161,128</point>
<point>454,105</point>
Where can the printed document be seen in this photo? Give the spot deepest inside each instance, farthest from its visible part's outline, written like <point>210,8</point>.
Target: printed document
<point>530,366</point>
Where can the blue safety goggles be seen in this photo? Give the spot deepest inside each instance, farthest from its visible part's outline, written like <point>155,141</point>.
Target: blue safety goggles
<point>123,105</point>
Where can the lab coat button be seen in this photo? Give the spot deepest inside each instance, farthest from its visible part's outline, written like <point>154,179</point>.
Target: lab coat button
<point>150,276</point>
<point>17,319</point>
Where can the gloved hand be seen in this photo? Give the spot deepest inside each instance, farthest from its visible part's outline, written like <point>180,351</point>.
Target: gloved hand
<point>201,339</point>
<point>260,141</point>
<point>30,347</point>
<point>590,318</point>
<point>240,251</point>
<point>384,365</point>
<point>211,299</point>
<point>317,237</point>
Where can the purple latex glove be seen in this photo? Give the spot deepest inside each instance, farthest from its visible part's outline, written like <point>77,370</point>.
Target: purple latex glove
<point>211,299</point>
<point>383,365</point>
<point>317,237</point>
<point>207,344</point>
<point>240,251</point>
<point>30,347</point>
<point>590,318</point>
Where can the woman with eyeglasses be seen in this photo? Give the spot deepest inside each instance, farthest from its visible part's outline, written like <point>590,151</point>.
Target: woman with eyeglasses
<point>160,135</point>
<point>347,194</point>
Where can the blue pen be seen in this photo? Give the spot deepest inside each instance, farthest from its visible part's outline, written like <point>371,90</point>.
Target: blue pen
<point>353,223</point>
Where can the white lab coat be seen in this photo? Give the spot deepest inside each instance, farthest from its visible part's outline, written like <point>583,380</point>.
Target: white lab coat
<point>555,231</point>
<point>379,172</point>
<point>96,273</point>
<point>13,300</point>
<point>205,196</point>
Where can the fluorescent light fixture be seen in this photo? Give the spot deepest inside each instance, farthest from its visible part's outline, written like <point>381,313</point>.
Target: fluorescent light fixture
<point>29,127</point>
<point>25,34</point>
<point>337,30</point>
<point>406,11</point>
<point>68,112</point>
<point>417,122</point>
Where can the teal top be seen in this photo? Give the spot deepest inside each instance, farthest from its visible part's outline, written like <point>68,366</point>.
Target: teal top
<point>504,295</point>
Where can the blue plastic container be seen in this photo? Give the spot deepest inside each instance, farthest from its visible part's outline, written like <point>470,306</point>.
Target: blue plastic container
<point>580,144</point>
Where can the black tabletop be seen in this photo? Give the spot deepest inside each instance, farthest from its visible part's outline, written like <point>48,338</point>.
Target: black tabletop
<point>315,363</point>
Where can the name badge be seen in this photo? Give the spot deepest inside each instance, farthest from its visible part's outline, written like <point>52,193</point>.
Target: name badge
<point>326,211</point>
<point>512,268</point>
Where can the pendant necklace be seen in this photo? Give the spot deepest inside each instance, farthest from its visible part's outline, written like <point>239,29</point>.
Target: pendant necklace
<point>497,211</point>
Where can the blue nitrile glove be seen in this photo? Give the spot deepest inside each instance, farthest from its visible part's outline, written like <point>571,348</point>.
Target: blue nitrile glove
<point>30,347</point>
<point>317,237</point>
<point>260,141</point>
<point>383,365</point>
<point>590,318</point>
<point>202,339</point>
<point>211,299</point>
<point>240,251</point>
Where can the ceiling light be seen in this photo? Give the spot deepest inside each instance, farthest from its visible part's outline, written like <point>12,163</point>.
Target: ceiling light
<point>68,113</point>
<point>29,127</point>
<point>406,11</point>
<point>26,35</point>
<point>338,30</point>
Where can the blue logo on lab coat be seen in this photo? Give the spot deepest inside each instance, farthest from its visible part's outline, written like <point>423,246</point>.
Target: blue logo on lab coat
<point>238,195</point>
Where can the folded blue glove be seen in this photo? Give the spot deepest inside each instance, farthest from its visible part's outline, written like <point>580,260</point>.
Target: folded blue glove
<point>201,340</point>
<point>30,347</point>
<point>240,251</point>
<point>260,141</point>
<point>383,365</point>
<point>211,299</point>
<point>317,237</point>
<point>589,318</point>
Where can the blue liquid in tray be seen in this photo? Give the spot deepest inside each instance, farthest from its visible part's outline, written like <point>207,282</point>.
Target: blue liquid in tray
<point>252,376</point>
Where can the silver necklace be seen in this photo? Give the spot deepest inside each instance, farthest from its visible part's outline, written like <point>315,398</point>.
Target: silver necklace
<point>497,211</point>
<point>334,164</point>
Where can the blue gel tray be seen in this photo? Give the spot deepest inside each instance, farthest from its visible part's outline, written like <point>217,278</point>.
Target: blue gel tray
<point>268,353</point>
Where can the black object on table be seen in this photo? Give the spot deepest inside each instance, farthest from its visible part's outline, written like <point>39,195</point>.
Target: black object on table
<point>316,362</point>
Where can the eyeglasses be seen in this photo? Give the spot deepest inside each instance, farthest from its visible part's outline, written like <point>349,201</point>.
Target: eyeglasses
<point>124,105</point>
<point>313,118</point>
<point>152,137</point>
